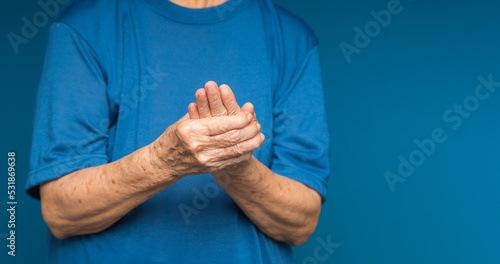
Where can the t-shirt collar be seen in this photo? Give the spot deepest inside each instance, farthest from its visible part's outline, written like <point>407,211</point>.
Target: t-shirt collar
<point>209,15</point>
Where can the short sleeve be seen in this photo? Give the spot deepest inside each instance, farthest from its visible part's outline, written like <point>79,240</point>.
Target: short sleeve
<point>71,113</point>
<point>301,137</point>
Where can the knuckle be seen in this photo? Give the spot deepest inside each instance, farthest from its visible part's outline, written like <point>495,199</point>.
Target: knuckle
<point>233,136</point>
<point>255,128</point>
<point>221,124</point>
<point>221,111</point>
<point>194,146</point>
<point>238,149</point>
<point>203,106</point>
<point>182,130</point>
<point>241,120</point>
<point>262,137</point>
<point>202,159</point>
<point>210,124</point>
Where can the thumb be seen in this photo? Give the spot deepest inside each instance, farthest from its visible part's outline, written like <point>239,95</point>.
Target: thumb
<point>248,107</point>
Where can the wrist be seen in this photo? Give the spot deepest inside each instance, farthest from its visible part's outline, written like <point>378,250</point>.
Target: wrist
<point>238,171</point>
<point>158,163</point>
<point>245,167</point>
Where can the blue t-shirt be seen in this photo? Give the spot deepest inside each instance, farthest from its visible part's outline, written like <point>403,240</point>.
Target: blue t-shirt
<point>119,72</point>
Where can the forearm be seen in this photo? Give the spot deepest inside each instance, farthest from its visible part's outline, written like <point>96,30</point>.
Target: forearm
<point>92,199</point>
<point>282,208</point>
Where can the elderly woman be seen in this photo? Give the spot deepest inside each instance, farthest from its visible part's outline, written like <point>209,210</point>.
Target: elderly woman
<point>125,175</point>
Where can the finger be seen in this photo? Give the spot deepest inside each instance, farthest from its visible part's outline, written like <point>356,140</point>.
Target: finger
<point>214,100</point>
<point>248,107</point>
<point>229,100</point>
<point>202,102</point>
<point>222,124</point>
<point>193,111</point>
<point>235,154</point>
<point>244,147</point>
<point>234,137</point>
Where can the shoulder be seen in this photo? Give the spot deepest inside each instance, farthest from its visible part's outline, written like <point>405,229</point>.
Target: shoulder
<point>80,12</point>
<point>295,29</point>
<point>294,37</point>
<point>93,21</point>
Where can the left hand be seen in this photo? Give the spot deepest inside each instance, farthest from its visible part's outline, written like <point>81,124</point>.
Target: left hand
<point>283,209</point>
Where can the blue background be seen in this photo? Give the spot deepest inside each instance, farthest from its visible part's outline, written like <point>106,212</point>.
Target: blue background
<point>394,91</point>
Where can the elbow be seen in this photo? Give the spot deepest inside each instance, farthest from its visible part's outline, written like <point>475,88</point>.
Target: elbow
<point>58,233</point>
<point>295,238</point>
<point>53,225</point>
<point>295,235</point>
<point>56,224</point>
<point>54,214</point>
<point>301,236</point>
<point>301,232</point>
<point>298,241</point>
<point>64,225</point>
<point>305,223</point>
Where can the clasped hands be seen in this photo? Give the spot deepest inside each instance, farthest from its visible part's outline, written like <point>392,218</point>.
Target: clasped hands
<point>215,135</point>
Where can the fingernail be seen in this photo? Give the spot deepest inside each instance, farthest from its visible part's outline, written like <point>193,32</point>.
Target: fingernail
<point>249,117</point>
<point>258,126</point>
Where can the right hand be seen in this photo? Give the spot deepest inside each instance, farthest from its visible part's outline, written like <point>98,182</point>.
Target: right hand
<point>198,146</point>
